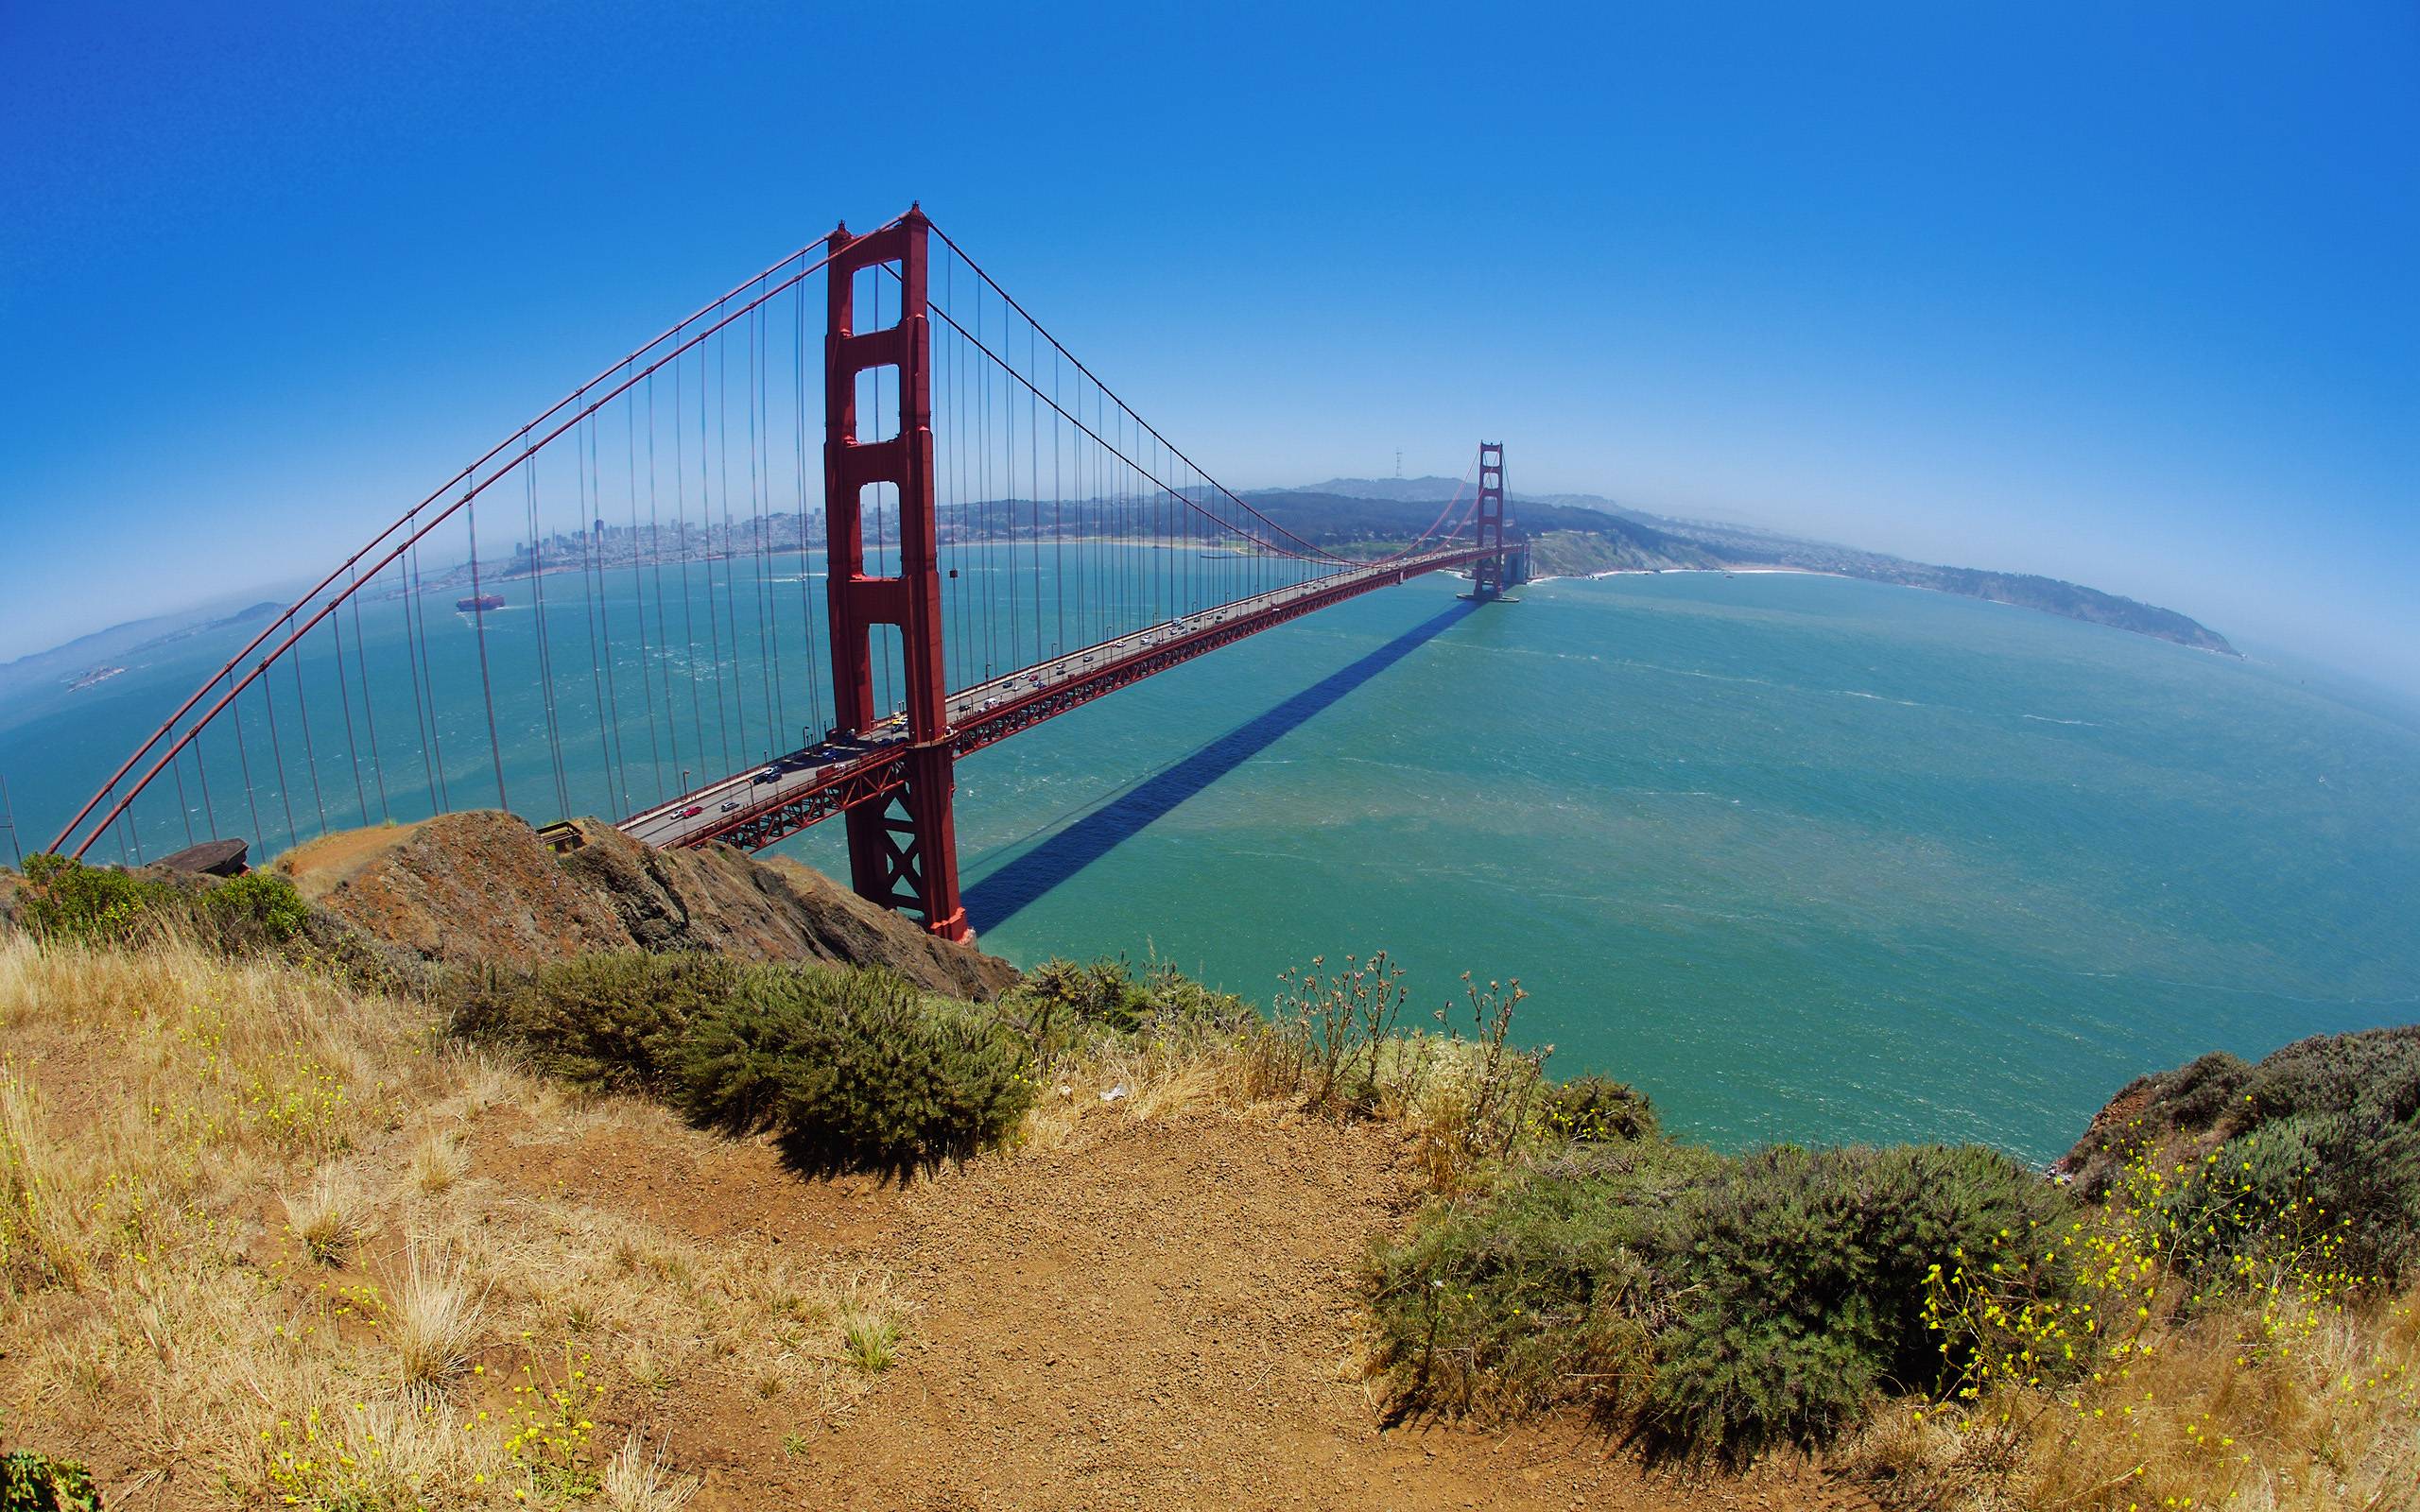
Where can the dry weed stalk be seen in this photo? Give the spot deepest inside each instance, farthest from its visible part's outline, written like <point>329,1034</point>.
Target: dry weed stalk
<point>332,1216</point>
<point>637,1480</point>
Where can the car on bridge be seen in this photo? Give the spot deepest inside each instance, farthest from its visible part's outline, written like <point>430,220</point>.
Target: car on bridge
<point>693,811</point>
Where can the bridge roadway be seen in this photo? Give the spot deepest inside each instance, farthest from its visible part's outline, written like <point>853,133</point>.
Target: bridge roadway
<point>756,807</point>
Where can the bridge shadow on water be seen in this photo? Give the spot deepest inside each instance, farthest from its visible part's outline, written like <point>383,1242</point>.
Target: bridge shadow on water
<point>1009,891</point>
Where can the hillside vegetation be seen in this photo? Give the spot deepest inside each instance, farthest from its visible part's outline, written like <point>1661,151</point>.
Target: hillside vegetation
<point>283,1224</point>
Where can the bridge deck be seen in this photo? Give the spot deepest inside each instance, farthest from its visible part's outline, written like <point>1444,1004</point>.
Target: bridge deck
<point>754,808</point>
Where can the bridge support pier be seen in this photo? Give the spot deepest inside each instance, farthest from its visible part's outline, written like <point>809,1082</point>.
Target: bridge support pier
<point>902,852</point>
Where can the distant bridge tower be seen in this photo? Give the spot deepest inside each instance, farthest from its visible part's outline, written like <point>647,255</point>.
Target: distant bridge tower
<point>902,852</point>
<point>1489,573</point>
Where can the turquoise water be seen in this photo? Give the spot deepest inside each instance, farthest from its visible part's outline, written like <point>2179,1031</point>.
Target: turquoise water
<point>1806,858</point>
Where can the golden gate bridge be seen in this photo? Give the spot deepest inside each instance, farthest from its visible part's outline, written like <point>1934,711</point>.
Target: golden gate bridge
<point>1005,540</point>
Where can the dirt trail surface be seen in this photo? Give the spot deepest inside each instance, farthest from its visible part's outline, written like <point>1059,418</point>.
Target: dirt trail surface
<point>1148,1315</point>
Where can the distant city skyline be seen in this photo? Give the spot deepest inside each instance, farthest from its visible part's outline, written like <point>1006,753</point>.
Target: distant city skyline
<point>2120,298</point>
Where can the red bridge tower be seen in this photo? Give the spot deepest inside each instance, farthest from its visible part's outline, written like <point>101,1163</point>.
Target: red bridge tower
<point>902,852</point>
<point>1490,571</point>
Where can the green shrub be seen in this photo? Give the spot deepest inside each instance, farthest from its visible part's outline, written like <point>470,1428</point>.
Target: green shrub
<point>2196,1095</point>
<point>1723,1304</point>
<point>1592,1110</point>
<point>36,1483</point>
<point>2337,1194</point>
<point>2313,1156</point>
<point>1805,1279</point>
<point>853,1071</point>
<point>66,900</point>
<point>256,911</point>
<point>2373,1075</point>
<point>612,1021</point>
<point>1548,1291</point>
<point>93,905</point>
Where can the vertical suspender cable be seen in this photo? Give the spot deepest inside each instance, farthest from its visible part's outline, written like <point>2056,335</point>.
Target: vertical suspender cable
<point>352,749</point>
<point>546,654</point>
<point>201,770</point>
<point>591,467</point>
<point>423,707</point>
<point>479,632</point>
<point>184,810</point>
<point>1033,467</point>
<point>1058,523</point>
<point>654,554</point>
<point>369,711</point>
<point>310,757</point>
<point>688,609</point>
<point>760,486</point>
<point>729,541</point>
<point>706,515</point>
<point>277,762</point>
<point>805,603</point>
<point>706,560</point>
<point>244,766</point>
<point>600,666</point>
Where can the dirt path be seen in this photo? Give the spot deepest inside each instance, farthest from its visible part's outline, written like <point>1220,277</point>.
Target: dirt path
<point>1149,1316</point>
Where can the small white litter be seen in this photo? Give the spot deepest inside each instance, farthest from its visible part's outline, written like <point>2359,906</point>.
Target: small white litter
<point>1114,1094</point>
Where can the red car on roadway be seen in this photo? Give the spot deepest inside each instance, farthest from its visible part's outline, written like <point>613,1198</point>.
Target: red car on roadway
<point>693,811</point>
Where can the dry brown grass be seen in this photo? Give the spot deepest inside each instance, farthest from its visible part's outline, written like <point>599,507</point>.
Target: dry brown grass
<point>38,1228</point>
<point>1434,1090</point>
<point>2274,1406</point>
<point>245,1255</point>
<point>638,1479</point>
<point>438,1162</point>
<point>436,1320</point>
<point>332,1216</point>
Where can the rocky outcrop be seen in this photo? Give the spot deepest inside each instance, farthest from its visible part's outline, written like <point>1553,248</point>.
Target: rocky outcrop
<point>483,888</point>
<point>723,900</point>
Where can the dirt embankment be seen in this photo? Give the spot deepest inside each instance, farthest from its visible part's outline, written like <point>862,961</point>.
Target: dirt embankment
<point>481,887</point>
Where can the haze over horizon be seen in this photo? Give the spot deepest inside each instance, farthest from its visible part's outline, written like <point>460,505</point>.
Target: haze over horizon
<point>2117,297</point>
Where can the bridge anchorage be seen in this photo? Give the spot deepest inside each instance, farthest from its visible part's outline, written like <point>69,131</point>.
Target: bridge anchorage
<point>1005,540</point>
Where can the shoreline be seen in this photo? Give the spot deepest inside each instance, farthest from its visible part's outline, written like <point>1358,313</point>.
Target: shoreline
<point>2224,652</point>
<point>1672,572</point>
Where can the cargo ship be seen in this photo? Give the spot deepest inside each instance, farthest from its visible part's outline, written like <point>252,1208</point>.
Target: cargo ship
<point>480,604</point>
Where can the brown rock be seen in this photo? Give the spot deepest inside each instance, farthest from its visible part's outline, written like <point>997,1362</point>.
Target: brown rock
<point>483,888</point>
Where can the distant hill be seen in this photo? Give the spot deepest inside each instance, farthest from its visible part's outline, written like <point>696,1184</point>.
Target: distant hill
<point>65,664</point>
<point>1575,534</point>
<point>1434,489</point>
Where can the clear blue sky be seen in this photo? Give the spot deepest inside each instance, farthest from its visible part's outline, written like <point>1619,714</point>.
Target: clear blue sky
<point>2125,294</point>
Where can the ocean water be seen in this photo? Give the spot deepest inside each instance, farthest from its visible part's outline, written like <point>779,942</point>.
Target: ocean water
<point>1806,858</point>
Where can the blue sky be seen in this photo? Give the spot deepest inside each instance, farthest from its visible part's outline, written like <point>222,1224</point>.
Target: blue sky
<point>2123,294</point>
